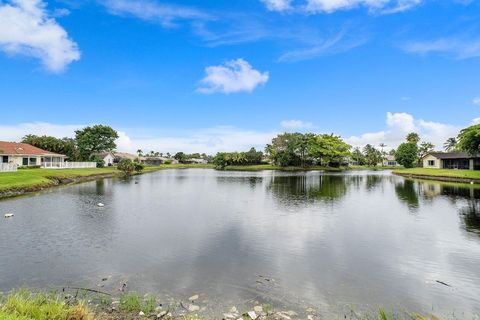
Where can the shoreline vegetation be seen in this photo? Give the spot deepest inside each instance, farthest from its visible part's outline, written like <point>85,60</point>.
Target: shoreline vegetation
<point>27,181</point>
<point>443,175</point>
<point>85,304</point>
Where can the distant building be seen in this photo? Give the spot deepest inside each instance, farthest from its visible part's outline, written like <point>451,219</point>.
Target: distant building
<point>195,161</point>
<point>107,157</point>
<point>22,154</point>
<point>124,155</point>
<point>389,161</point>
<point>451,160</point>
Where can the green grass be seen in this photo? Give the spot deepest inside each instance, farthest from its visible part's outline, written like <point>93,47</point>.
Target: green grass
<point>25,305</point>
<point>132,302</point>
<point>43,177</point>
<point>449,173</point>
<point>33,178</point>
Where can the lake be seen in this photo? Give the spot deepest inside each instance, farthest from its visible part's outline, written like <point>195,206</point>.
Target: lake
<point>332,241</point>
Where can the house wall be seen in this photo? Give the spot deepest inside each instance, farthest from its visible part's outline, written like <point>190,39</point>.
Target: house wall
<point>18,159</point>
<point>109,160</point>
<point>437,163</point>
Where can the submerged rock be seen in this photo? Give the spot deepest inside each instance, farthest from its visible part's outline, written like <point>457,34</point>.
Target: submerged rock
<point>258,309</point>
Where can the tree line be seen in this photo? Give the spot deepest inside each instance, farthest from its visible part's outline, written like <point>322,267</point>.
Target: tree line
<point>86,145</point>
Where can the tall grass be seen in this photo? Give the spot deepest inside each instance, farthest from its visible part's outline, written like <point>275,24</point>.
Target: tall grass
<point>22,305</point>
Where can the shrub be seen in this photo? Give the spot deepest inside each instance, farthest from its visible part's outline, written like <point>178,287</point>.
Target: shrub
<point>138,167</point>
<point>126,166</point>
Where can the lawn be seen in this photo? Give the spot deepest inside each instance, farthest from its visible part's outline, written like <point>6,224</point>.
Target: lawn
<point>449,173</point>
<point>28,178</point>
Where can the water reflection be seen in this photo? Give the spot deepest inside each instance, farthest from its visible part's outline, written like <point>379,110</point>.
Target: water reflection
<point>301,188</point>
<point>408,193</point>
<point>328,240</point>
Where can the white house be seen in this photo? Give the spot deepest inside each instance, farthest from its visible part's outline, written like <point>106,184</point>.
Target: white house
<point>389,161</point>
<point>25,155</point>
<point>107,157</point>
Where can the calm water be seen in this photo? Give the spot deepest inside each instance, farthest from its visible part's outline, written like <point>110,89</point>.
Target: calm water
<point>332,241</point>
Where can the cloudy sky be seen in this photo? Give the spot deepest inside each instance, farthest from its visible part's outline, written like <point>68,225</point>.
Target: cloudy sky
<point>215,75</point>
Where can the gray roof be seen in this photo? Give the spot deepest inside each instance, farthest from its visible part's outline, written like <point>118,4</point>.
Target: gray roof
<point>452,155</point>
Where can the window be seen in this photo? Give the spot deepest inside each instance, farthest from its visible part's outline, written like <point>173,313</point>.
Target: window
<point>5,159</point>
<point>33,161</point>
<point>431,163</point>
<point>25,161</point>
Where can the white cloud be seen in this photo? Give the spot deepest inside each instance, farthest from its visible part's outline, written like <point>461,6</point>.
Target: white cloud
<point>233,76</point>
<point>27,29</point>
<point>454,48</point>
<point>399,125</point>
<point>211,140</point>
<point>296,124</point>
<point>336,44</point>
<point>165,14</point>
<point>277,5</point>
<point>476,101</point>
<point>380,6</point>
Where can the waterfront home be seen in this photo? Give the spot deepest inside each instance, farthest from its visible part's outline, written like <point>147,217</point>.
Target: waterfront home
<point>389,161</point>
<point>195,161</point>
<point>107,157</point>
<point>22,154</point>
<point>125,155</point>
<point>451,160</point>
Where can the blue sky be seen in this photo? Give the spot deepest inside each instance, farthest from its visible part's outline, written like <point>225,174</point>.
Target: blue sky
<point>222,75</point>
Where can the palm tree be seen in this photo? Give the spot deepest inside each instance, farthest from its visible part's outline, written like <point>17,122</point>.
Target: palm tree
<point>450,145</point>
<point>413,137</point>
<point>139,152</point>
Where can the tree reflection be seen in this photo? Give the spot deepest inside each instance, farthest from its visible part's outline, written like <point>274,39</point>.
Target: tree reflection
<point>326,188</point>
<point>407,193</point>
<point>471,216</point>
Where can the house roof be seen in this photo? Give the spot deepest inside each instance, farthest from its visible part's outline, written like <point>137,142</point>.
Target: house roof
<point>14,148</point>
<point>390,157</point>
<point>125,155</point>
<point>104,154</point>
<point>452,155</point>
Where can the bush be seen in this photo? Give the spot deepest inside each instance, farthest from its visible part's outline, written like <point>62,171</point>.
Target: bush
<point>100,162</point>
<point>168,162</point>
<point>138,167</point>
<point>126,166</point>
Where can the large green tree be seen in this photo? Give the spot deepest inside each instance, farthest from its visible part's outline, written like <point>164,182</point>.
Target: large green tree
<point>407,154</point>
<point>469,140</point>
<point>65,146</point>
<point>328,149</point>
<point>95,139</point>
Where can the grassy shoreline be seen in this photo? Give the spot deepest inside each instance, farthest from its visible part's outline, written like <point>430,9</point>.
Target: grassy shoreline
<point>447,175</point>
<point>24,304</point>
<point>26,181</point>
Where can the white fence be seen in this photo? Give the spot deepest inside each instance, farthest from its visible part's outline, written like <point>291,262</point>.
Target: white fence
<point>8,167</point>
<point>69,165</point>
